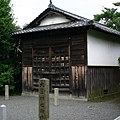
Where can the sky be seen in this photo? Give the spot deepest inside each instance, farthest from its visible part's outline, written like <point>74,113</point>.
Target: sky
<point>27,10</point>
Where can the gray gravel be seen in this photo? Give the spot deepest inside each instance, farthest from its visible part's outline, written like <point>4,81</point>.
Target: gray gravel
<point>26,108</point>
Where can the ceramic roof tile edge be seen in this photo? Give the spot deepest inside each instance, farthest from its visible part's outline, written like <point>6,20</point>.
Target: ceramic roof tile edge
<point>69,25</point>
<point>106,29</point>
<point>52,27</point>
<point>52,7</point>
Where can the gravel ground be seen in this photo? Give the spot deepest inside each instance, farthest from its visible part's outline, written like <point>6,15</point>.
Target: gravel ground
<point>26,108</point>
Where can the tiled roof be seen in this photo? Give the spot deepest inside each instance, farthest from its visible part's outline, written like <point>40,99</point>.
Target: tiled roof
<point>68,25</point>
<point>53,8</point>
<point>106,29</point>
<point>52,27</point>
<point>67,13</point>
<point>79,22</point>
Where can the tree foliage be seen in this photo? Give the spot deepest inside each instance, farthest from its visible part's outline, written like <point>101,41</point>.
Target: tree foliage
<point>110,17</point>
<point>9,58</point>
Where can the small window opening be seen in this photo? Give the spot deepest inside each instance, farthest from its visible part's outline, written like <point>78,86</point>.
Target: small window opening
<point>106,91</point>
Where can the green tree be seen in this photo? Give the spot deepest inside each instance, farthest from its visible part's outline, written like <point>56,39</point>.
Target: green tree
<point>110,17</point>
<point>7,46</point>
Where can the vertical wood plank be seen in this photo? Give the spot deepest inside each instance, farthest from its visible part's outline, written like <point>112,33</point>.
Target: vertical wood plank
<point>24,78</point>
<point>30,84</point>
<point>104,80</point>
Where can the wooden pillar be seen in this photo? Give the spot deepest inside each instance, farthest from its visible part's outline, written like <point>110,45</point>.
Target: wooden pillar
<point>44,99</point>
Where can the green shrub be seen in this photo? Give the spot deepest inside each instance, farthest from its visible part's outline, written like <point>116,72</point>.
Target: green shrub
<point>6,78</point>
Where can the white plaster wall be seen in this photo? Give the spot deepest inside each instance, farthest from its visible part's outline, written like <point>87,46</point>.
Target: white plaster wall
<point>53,19</point>
<point>102,49</point>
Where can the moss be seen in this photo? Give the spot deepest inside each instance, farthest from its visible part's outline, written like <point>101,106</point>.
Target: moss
<point>104,95</point>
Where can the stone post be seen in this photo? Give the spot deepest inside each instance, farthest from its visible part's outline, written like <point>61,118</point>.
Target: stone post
<point>56,94</point>
<point>6,92</point>
<point>44,99</point>
<point>2,112</point>
<point>118,118</point>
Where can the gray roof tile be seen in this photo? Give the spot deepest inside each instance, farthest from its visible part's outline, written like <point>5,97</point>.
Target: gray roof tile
<point>106,29</point>
<point>80,21</point>
<point>68,25</point>
<point>52,27</point>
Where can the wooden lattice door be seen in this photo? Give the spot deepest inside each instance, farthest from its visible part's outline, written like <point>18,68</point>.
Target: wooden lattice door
<point>60,65</point>
<point>52,62</point>
<point>40,63</point>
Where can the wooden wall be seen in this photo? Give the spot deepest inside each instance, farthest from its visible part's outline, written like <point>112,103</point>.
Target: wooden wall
<point>72,64</point>
<point>27,53</point>
<point>95,81</point>
<point>27,82</point>
<point>78,65</point>
<point>79,80</point>
<point>102,81</point>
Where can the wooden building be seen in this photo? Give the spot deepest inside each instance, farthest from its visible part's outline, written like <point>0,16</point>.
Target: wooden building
<point>78,55</point>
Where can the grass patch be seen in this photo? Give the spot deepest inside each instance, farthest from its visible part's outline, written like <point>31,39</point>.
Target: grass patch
<point>107,98</point>
<point>15,94</point>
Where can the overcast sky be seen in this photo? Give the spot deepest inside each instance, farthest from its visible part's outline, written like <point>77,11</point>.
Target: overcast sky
<point>27,10</point>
